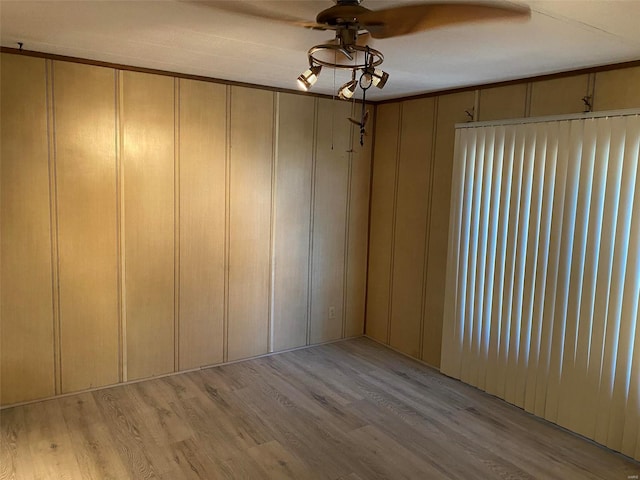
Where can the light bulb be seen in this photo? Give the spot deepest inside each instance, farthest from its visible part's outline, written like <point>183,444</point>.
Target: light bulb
<point>307,79</point>
<point>347,90</point>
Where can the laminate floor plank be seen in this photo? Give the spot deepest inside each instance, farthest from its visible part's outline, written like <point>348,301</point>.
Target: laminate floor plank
<point>350,410</point>
<point>160,414</point>
<point>93,444</point>
<point>52,451</point>
<point>217,438</point>
<point>322,403</point>
<point>429,445</point>
<point>15,455</point>
<point>441,439</point>
<point>319,444</point>
<point>227,411</point>
<point>139,452</point>
<point>428,414</point>
<point>398,461</point>
<point>278,462</point>
<point>351,476</point>
<point>193,462</point>
<point>321,371</point>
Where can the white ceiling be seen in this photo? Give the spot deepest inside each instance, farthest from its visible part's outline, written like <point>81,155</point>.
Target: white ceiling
<point>199,39</point>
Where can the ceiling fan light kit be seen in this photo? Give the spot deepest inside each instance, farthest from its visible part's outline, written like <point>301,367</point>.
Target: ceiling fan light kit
<point>343,53</point>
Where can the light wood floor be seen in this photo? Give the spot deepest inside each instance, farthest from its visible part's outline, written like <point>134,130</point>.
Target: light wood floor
<point>349,410</point>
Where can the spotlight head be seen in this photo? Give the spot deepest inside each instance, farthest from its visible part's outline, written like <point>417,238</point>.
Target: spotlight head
<point>379,78</point>
<point>309,77</point>
<point>348,89</point>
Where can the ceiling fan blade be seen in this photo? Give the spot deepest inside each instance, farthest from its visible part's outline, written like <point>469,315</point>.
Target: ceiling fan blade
<point>252,10</point>
<point>407,19</point>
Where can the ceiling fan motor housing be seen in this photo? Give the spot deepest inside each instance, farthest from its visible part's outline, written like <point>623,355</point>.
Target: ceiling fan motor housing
<point>347,36</point>
<point>346,12</point>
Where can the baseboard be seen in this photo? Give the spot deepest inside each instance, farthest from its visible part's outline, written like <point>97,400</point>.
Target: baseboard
<point>171,374</point>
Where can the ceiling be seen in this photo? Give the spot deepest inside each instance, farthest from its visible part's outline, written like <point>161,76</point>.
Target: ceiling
<point>196,38</point>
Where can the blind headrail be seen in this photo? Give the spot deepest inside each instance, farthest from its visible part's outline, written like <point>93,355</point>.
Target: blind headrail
<point>551,118</point>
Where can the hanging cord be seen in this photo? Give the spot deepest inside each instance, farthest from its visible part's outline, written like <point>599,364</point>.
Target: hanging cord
<point>364,95</point>
<point>368,60</point>
<point>333,97</point>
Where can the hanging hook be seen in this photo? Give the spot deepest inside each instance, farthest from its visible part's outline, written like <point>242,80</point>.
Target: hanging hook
<point>470,114</point>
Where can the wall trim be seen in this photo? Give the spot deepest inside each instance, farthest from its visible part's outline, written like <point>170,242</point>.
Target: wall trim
<point>516,81</point>
<point>154,71</point>
<point>227,221</point>
<point>275,144</point>
<point>53,224</point>
<point>176,224</point>
<point>435,93</point>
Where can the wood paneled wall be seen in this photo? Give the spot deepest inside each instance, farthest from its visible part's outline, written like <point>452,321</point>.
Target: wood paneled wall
<point>86,186</point>
<point>411,192</point>
<point>330,217</point>
<point>383,196</point>
<point>202,157</point>
<point>148,183</point>
<point>250,170</point>
<point>28,331</point>
<point>152,224</point>
<point>414,172</point>
<point>292,221</point>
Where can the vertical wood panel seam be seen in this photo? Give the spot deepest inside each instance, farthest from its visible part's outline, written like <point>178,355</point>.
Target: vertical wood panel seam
<point>345,276</point>
<point>53,225</point>
<point>591,89</point>
<point>227,226</point>
<point>176,224</point>
<point>122,216</point>
<point>425,266</point>
<point>594,89</point>
<point>118,168</point>
<point>374,121</point>
<point>476,105</point>
<point>312,205</point>
<point>393,220</point>
<point>272,234</point>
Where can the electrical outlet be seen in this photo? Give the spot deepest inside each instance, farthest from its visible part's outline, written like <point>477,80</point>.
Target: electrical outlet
<point>332,312</point>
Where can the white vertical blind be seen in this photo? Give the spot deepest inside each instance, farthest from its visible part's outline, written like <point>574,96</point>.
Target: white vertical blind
<point>543,272</point>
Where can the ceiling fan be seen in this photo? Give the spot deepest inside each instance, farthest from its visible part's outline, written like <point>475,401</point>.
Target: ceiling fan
<point>355,25</point>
